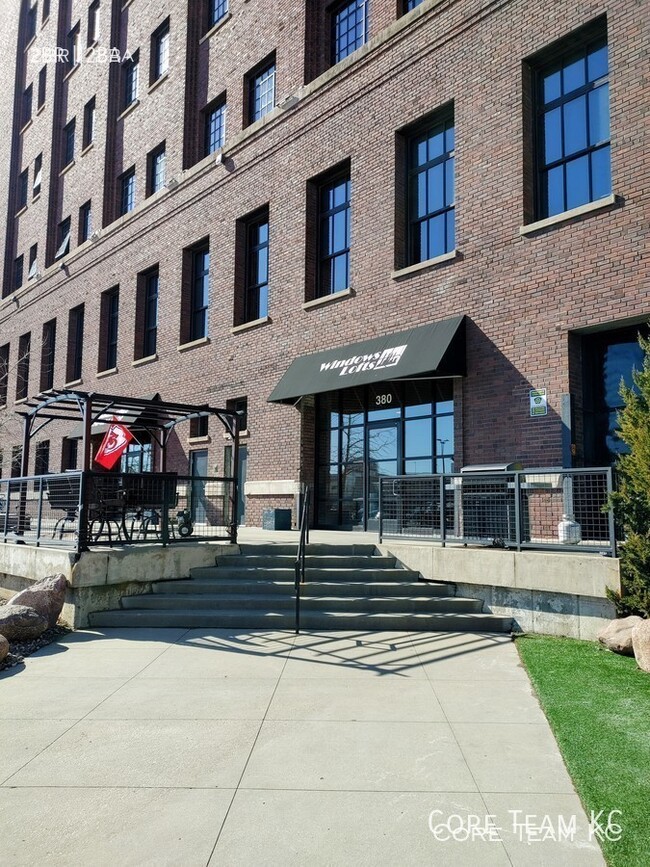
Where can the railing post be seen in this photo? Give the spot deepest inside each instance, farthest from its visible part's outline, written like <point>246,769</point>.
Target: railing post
<point>443,522</point>
<point>610,511</point>
<point>82,543</point>
<point>381,509</point>
<point>518,533</point>
<point>39,512</point>
<point>164,517</point>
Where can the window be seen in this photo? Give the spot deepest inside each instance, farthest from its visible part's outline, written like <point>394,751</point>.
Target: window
<point>42,86</point>
<point>64,238</point>
<point>199,427</point>
<point>130,72</point>
<point>196,292</point>
<point>85,221</point>
<point>431,190</point>
<point>216,11</point>
<point>256,271</point>
<point>240,406</point>
<point>411,4</point>
<point>18,272</point>
<point>261,91</point>
<point>89,123</point>
<point>48,349</point>
<point>75,343</point>
<point>72,46</point>
<point>93,23</point>
<point>16,461</point>
<point>27,105</point>
<point>146,314</point>
<point>160,52</point>
<point>22,371</point>
<point>334,234</point>
<point>23,184</point>
<point>42,459</point>
<point>127,191</point>
<point>573,152</point>
<point>38,171</point>
<point>68,142</point>
<point>156,169</point>
<point>4,373</point>
<point>109,328</point>
<point>32,13</point>
<point>349,28</point>
<point>69,449</point>
<point>33,264</point>
<point>214,126</point>
<point>46,10</point>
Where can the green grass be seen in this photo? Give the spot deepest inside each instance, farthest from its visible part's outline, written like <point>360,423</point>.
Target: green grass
<point>598,704</point>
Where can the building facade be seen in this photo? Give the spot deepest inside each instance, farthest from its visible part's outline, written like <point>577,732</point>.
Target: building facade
<point>397,237</point>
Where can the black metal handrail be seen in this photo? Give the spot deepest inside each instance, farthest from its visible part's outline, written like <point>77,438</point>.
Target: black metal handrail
<point>300,556</point>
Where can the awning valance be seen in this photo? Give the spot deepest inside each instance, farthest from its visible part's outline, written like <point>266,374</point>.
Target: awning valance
<point>437,349</point>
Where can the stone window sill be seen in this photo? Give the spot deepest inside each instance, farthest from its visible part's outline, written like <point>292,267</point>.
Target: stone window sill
<point>328,299</point>
<point>36,198</point>
<point>88,148</point>
<point>202,341</point>
<point>246,326</point>
<point>26,126</point>
<point>102,373</point>
<point>215,27</point>
<point>20,401</point>
<point>126,4</point>
<point>71,71</point>
<point>565,216</point>
<point>66,169</point>
<point>146,360</point>
<point>21,211</point>
<point>73,383</point>
<point>243,434</point>
<point>424,266</point>
<point>129,109</point>
<point>155,84</point>
<point>196,440</point>
<point>40,109</point>
<point>90,48</point>
<point>30,43</point>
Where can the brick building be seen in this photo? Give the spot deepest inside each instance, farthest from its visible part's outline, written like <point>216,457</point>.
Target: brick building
<point>444,202</point>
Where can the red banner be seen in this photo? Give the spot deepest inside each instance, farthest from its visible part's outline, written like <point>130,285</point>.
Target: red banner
<point>113,445</point>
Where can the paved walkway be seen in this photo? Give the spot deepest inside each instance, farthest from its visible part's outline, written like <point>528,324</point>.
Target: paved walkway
<point>161,747</point>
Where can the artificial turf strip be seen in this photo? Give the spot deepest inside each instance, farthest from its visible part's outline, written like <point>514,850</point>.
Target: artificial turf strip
<point>598,705</point>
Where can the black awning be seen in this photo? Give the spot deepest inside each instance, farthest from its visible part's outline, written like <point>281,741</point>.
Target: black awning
<point>437,349</point>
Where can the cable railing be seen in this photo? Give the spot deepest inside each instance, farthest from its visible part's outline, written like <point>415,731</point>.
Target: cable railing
<point>551,509</point>
<point>299,565</point>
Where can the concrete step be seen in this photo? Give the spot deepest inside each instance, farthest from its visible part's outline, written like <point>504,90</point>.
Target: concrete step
<point>312,561</point>
<point>273,602</point>
<point>198,618</point>
<point>284,573</point>
<point>252,586</point>
<point>274,549</point>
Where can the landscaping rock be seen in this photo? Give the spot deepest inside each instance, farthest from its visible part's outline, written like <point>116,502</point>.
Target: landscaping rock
<point>46,597</point>
<point>641,644</point>
<point>18,622</point>
<point>4,647</point>
<point>617,635</point>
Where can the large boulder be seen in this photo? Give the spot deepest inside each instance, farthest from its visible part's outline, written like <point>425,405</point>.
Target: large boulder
<point>20,623</point>
<point>617,635</point>
<point>46,597</point>
<point>4,647</point>
<point>641,644</point>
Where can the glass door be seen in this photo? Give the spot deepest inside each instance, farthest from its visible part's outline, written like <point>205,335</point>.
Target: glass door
<point>383,459</point>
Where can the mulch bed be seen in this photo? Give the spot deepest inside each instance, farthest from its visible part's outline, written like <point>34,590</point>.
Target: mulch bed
<point>18,650</point>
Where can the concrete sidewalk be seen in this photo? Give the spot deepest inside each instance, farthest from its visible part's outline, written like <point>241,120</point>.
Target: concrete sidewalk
<point>226,747</point>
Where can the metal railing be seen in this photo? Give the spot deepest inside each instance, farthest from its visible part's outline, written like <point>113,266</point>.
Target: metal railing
<point>299,565</point>
<point>552,509</point>
<point>80,510</point>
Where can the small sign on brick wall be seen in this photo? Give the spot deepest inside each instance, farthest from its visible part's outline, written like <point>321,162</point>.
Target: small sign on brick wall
<point>538,402</point>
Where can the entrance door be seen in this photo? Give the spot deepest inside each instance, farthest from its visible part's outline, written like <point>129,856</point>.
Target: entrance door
<point>383,458</point>
<point>198,471</point>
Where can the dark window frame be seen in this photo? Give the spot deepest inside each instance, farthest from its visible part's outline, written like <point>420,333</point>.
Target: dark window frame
<point>38,176</point>
<point>216,11</point>
<point>22,367</point>
<point>214,125</point>
<point>69,135</point>
<point>85,221</point>
<point>27,102</point>
<point>256,292</point>
<point>109,327</point>
<point>63,244</point>
<point>153,172</point>
<point>200,298</point>
<point>130,80</point>
<point>19,272</point>
<point>257,102</point>
<point>33,258</point>
<point>42,87</point>
<point>48,355</point>
<point>74,360</point>
<point>23,187</point>
<point>30,30</point>
<point>92,35</point>
<point>90,118</point>
<point>72,45</point>
<point>127,191</point>
<point>5,352</point>
<point>160,53</point>
<point>350,7</point>
<point>325,215</point>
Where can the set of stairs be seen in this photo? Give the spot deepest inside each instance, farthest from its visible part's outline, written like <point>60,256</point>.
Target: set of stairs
<point>347,587</point>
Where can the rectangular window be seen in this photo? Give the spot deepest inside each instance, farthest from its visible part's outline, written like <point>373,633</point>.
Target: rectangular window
<point>89,123</point>
<point>68,142</point>
<point>216,11</point>
<point>72,46</point>
<point>69,449</point>
<point>256,288</point>
<point>42,458</point>
<point>22,370</point>
<point>16,461</point>
<point>27,105</point>
<point>572,124</point>
<point>160,52</point>
<point>18,271</point>
<point>156,161</point>
<point>38,171</point>
<point>64,238</point>
<point>200,293</point>
<point>147,313</point>
<point>349,28</point>
<point>48,349</point>
<point>85,221</point>
<point>431,201</point>
<point>93,23</point>
<point>75,343</point>
<point>240,406</point>
<point>4,373</point>
<point>261,91</point>
<point>46,10</point>
<point>214,126</point>
<point>33,263</point>
<point>199,427</point>
<point>42,86</point>
<point>411,4</point>
<point>127,191</point>
<point>130,72</point>
<point>32,13</point>
<point>23,184</point>
<point>109,329</point>
<point>334,215</point>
